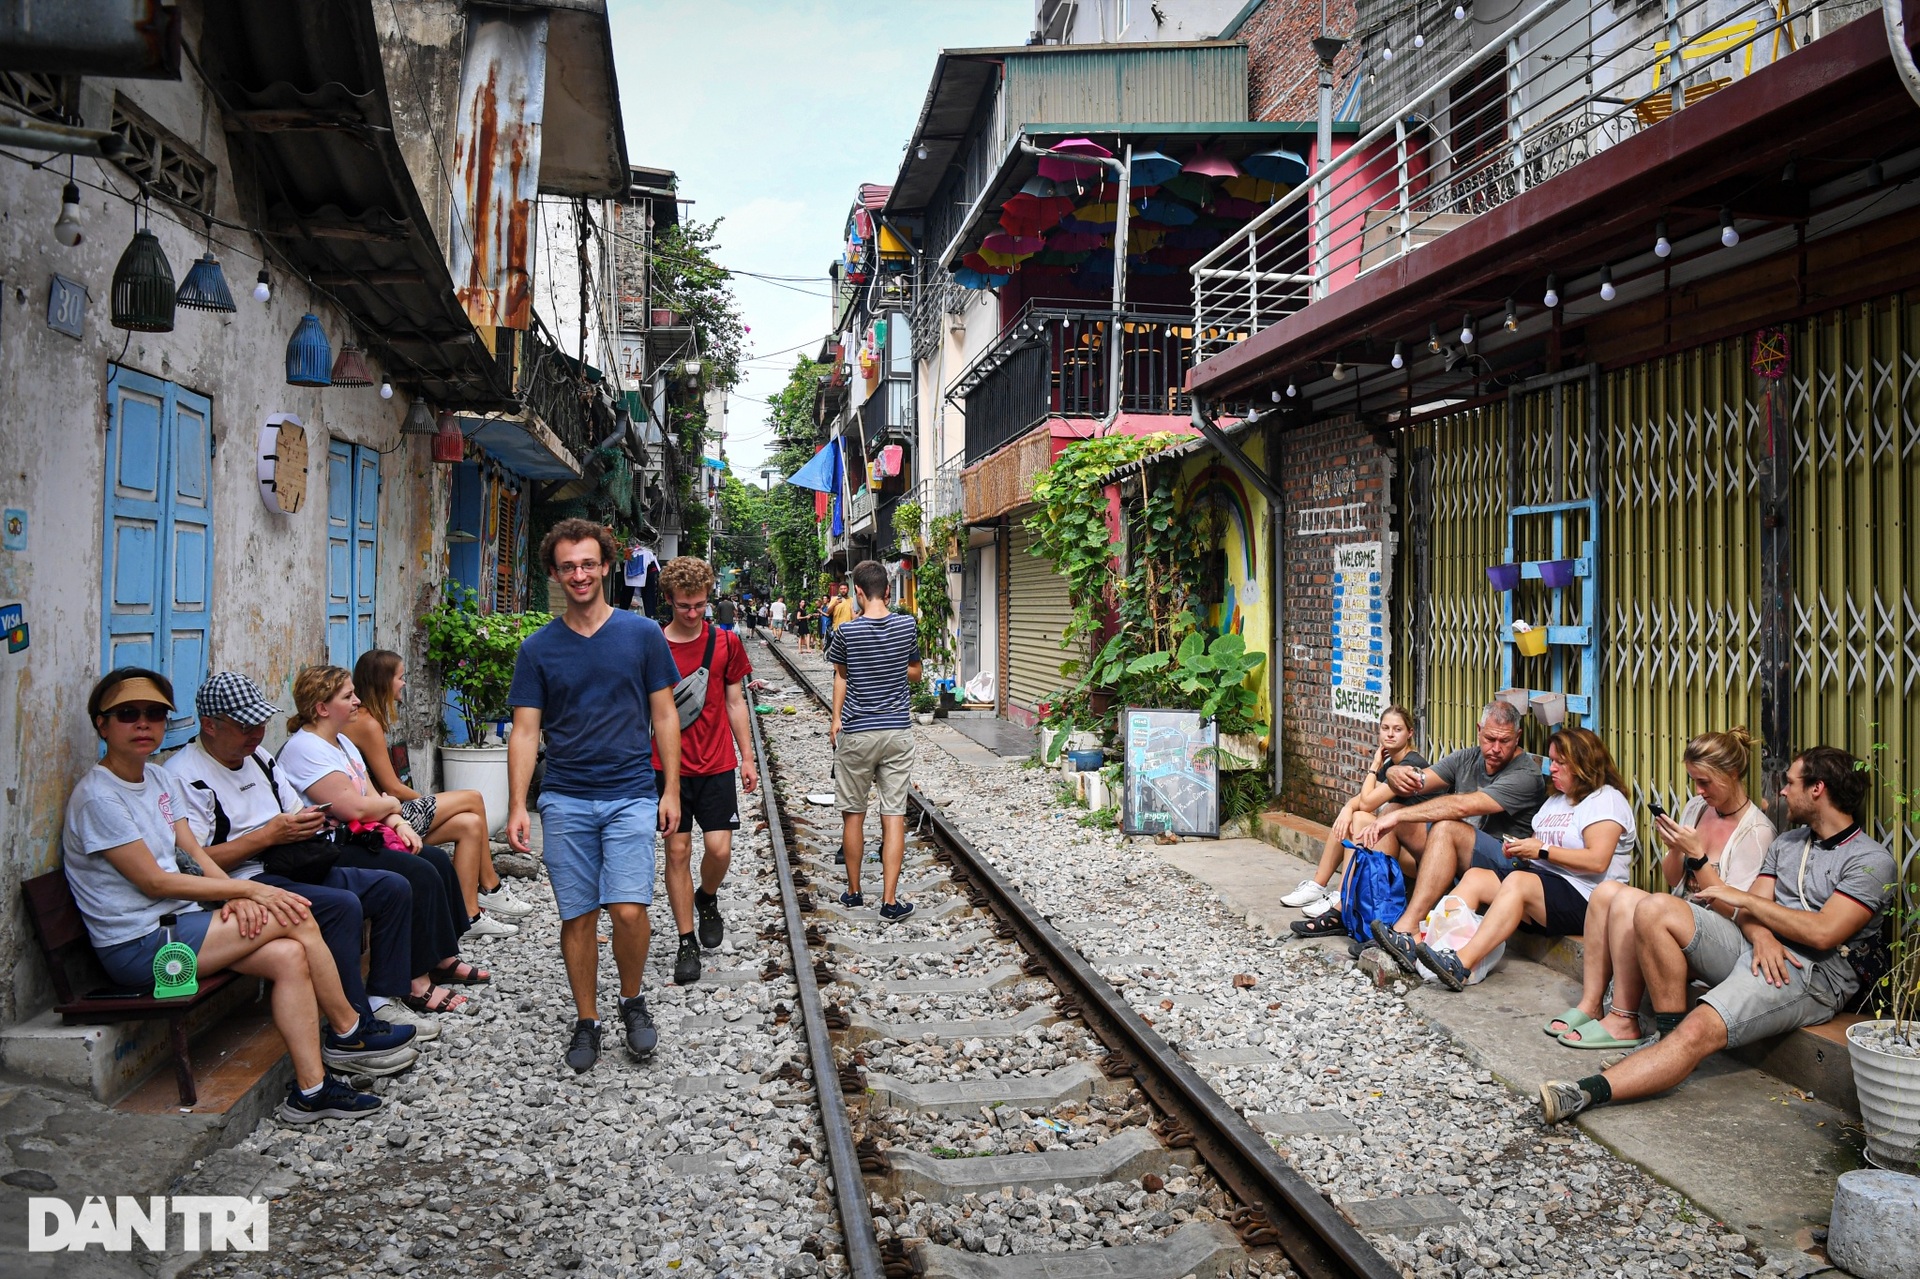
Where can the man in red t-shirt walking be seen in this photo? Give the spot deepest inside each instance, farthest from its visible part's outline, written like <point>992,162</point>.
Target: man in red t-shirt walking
<point>707,758</point>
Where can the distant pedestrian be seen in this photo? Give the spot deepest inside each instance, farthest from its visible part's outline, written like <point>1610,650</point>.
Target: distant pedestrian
<point>599,685</point>
<point>777,617</point>
<point>875,657</point>
<point>724,609</point>
<point>715,734</point>
<point>841,611</point>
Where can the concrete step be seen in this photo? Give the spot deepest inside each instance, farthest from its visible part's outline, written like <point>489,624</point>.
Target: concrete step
<point>1076,1082</point>
<point>1132,1154</point>
<point>864,1028</point>
<point>1197,1250</point>
<point>992,979</point>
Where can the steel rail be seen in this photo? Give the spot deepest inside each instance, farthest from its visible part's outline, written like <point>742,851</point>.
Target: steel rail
<point>1282,1208</point>
<point>857,1236</point>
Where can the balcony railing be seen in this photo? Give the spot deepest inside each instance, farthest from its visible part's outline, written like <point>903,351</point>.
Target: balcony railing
<point>1056,362</point>
<point>1566,80</point>
<point>886,416</point>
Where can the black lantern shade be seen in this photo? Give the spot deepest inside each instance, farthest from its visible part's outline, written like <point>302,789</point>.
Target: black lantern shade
<point>143,293</point>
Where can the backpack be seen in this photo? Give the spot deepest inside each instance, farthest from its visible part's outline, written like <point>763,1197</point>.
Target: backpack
<point>1372,888</point>
<point>690,694</point>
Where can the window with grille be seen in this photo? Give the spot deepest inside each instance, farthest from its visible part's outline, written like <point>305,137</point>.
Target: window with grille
<point>41,96</point>
<point>169,167</point>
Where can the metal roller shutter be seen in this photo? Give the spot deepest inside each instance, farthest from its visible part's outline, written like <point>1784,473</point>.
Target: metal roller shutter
<point>1038,611</point>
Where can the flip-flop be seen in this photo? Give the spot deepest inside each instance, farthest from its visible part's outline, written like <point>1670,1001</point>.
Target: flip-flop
<point>1572,1019</point>
<point>450,975</point>
<point>1595,1037</point>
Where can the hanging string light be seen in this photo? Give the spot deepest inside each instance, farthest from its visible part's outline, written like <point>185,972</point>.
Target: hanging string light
<point>1433,338</point>
<point>1728,235</point>
<point>1607,291</point>
<point>1662,246</point>
<point>1513,319</point>
<point>66,227</point>
<point>1552,297</point>
<point>1399,359</point>
<point>261,291</point>
<point>1466,330</point>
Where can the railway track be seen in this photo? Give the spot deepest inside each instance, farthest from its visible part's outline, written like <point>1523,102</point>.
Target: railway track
<point>1152,1119</point>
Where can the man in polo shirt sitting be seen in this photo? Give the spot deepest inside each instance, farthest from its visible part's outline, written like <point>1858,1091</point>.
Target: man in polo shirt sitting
<point>1783,960</point>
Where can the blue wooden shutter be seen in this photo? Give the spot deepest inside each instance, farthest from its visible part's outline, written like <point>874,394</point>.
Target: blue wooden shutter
<point>340,554</point>
<point>157,535</point>
<point>366,545</point>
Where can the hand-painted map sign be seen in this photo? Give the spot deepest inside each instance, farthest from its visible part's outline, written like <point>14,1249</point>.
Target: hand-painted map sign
<point>1173,774</point>
<point>1359,667</point>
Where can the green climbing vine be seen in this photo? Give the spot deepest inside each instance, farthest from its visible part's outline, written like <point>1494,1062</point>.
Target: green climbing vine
<point>1070,528</point>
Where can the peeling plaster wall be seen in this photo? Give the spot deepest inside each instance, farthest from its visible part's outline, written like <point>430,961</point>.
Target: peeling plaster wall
<point>421,44</point>
<point>269,582</point>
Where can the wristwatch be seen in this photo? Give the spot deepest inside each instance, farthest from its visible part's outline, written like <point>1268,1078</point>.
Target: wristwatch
<point>1695,863</point>
<point>1543,853</point>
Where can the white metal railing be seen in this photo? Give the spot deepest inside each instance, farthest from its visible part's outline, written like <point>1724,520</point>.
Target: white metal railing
<point>1565,81</point>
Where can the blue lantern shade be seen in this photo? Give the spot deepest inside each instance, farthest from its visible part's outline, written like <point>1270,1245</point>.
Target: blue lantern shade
<point>205,288</point>
<point>1283,167</point>
<point>309,356</point>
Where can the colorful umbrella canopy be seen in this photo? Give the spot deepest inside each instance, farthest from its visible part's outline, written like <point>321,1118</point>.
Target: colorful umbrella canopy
<point>970,279</point>
<point>1076,241</point>
<point>1168,213</point>
<point>1150,168</point>
<point>1190,187</point>
<point>1250,188</point>
<point>1280,166</point>
<point>1001,242</point>
<point>1192,237</point>
<point>1058,167</point>
<point>1210,166</point>
<point>1227,206</point>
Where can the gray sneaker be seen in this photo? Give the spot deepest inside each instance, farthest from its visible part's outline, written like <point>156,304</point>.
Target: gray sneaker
<point>1561,1100</point>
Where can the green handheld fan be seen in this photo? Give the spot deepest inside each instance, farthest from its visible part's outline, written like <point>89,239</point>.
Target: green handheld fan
<point>175,966</point>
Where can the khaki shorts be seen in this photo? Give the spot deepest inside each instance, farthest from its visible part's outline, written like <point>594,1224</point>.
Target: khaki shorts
<point>1751,1008</point>
<point>881,760</point>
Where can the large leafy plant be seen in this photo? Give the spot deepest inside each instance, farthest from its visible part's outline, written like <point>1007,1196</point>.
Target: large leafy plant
<point>474,653</point>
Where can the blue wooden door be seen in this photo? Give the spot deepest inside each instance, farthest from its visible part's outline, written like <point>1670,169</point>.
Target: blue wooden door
<point>353,549</point>
<point>157,535</point>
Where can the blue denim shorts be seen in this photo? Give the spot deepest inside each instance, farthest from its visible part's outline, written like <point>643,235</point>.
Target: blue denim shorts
<point>130,963</point>
<point>598,851</point>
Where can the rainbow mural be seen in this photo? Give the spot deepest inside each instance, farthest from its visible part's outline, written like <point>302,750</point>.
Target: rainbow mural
<point>1218,488</point>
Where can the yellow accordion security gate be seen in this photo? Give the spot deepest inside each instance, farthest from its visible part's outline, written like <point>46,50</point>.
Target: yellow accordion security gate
<point>1758,551</point>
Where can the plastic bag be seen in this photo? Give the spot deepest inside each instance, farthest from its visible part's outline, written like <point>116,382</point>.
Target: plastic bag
<point>980,687</point>
<point>1450,925</point>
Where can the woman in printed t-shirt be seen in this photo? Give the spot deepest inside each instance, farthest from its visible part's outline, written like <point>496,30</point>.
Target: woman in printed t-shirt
<point>328,769</point>
<point>1582,837</point>
<point>1721,838</point>
<point>1316,898</point>
<point>130,858</point>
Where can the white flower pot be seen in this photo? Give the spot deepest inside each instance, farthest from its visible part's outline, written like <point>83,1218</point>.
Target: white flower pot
<point>1888,1084</point>
<point>923,717</point>
<point>481,768</point>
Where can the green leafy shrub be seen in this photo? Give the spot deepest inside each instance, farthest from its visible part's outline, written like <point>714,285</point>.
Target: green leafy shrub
<point>474,653</point>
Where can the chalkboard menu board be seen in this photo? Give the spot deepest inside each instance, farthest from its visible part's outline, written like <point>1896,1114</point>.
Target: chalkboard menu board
<point>1173,773</point>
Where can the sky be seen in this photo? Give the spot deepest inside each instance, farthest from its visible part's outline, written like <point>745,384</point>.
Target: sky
<point>773,112</point>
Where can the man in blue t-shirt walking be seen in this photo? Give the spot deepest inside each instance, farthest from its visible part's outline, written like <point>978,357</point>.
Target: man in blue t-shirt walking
<point>599,683</point>
<point>875,656</point>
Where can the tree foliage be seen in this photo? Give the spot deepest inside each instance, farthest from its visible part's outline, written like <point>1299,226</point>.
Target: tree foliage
<point>793,532</point>
<point>688,279</point>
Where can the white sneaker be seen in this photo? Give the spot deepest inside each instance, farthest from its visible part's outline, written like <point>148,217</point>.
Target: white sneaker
<point>501,901</point>
<point>488,926</point>
<point>1306,895</point>
<point>395,1013</point>
<point>1313,910</point>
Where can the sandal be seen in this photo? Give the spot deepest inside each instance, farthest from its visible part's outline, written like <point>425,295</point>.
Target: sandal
<point>438,1000</point>
<point>460,973</point>
<point>1572,1019</point>
<point>1595,1036</point>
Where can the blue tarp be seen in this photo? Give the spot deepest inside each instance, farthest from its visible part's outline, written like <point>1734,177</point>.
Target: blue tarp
<point>819,473</point>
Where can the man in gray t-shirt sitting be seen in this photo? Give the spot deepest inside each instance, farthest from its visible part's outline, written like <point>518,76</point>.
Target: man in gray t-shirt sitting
<point>1783,960</point>
<point>1482,794</point>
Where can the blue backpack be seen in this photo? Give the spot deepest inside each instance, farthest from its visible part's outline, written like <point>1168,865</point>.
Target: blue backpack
<point>1372,888</point>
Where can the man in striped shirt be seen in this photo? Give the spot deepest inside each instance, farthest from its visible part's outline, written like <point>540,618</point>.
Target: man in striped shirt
<point>875,656</point>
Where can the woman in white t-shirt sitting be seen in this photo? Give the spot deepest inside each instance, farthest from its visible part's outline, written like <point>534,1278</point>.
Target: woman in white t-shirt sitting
<point>132,861</point>
<point>1582,837</point>
<point>327,768</point>
<point>1721,838</point>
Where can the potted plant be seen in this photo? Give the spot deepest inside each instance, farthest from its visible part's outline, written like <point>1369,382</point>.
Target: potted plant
<point>1885,1053</point>
<point>474,653</point>
<point>924,701</point>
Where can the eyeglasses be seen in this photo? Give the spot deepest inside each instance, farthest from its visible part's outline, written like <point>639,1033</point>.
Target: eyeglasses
<point>695,606</point>
<point>139,712</point>
<point>572,570</point>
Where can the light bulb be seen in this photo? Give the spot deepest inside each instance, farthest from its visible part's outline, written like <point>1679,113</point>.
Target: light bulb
<point>1661,245</point>
<point>920,152</point>
<point>1459,13</point>
<point>386,390</point>
<point>1607,290</point>
<point>1552,297</point>
<point>1433,338</point>
<point>1339,371</point>
<point>1399,360</point>
<point>66,228</point>
<point>260,290</point>
<point>1466,330</point>
<point>1419,41</point>
<point>1276,397</point>
<point>1513,321</point>
<point>1253,414</point>
<point>1291,388</point>
<point>1728,235</point>
<point>1386,53</point>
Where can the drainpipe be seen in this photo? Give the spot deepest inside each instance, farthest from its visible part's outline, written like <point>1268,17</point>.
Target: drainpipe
<point>1124,177</point>
<point>1326,48</point>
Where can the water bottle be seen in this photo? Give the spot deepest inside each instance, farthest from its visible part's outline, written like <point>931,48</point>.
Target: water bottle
<point>175,966</point>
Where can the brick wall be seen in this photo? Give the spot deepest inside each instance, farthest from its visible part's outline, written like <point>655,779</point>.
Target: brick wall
<point>1324,468</point>
<point>1282,79</point>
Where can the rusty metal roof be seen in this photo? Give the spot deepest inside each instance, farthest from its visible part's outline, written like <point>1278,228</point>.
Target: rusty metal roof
<point>303,90</point>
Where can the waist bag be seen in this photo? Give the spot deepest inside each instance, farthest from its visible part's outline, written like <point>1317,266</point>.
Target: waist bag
<point>690,694</point>
<point>1372,888</point>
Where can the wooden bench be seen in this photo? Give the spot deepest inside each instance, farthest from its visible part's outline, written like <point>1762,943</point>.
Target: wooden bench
<point>63,940</point>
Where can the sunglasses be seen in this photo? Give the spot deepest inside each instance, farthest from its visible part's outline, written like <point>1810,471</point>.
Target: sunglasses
<point>139,713</point>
